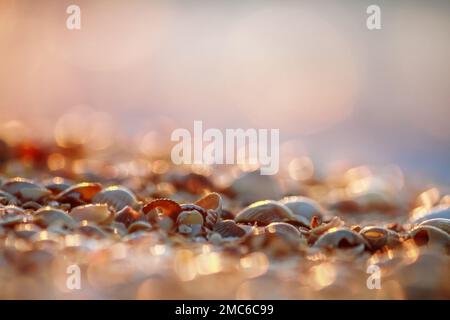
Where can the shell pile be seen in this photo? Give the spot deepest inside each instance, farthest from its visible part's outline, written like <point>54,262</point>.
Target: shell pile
<point>181,236</point>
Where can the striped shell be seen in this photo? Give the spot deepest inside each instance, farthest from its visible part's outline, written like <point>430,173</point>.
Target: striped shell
<point>265,212</point>
<point>48,216</point>
<point>443,224</point>
<point>229,229</point>
<point>340,238</point>
<point>117,197</point>
<point>304,208</point>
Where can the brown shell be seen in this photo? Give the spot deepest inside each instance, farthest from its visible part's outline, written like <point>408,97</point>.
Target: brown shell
<point>211,201</point>
<point>168,207</point>
<point>98,213</point>
<point>117,197</point>
<point>139,226</point>
<point>229,229</point>
<point>127,216</point>
<point>340,238</point>
<point>80,193</point>
<point>429,235</point>
<point>379,237</point>
<point>264,213</point>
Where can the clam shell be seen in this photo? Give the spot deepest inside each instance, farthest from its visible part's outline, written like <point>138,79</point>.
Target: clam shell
<point>441,212</point>
<point>7,198</point>
<point>33,194</point>
<point>91,230</point>
<point>443,224</point>
<point>378,237</point>
<point>117,197</point>
<point>80,193</point>
<point>212,201</point>
<point>98,213</point>
<point>127,216</point>
<point>429,235</point>
<point>57,185</point>
<point>50,216</point>
<point>15,185</point>
<point>340,238</point>
<point>229,229</point>
<point>168,207</point>
<point>304,207</point>
<point>283,229</point>
<point>265,212</point>
<point>190,218</point>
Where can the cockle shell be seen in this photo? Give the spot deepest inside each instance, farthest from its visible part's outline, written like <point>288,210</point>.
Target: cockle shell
<point>25,189</point>
<point>283,229</point>
<point>80,193</point>
<point>57,185</point>
<point>443,224</point>
<point>378,237</point>
<point>229,229</point>
<point>430,235</point>
<point>190,222</point>
<point>91,230</point>
<point>47,216</point>
<point>168,207</point>
<point>265,212</point>
<point>304,207</point>
<point>341,239</point>
<point>98,213</point>
<point>117,197</point>
<point>212,201</point>
<point>127,216</point>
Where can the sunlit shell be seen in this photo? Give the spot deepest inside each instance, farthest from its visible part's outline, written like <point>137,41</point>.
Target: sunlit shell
<point>441,212</point>
<point>127,216</point>
<point>443,224</point>
<point>15,185</point>
<point>57,185</point>
<point>265,212</point>
<point>139,226</point>
<point>190,222</point>
<point>33,194</point>
<point>340,239</point>
<point>80,193</point>
<point>50,216</point>
<point>429,235</point>
<point>98,213</point>
<point>212,201</point>
<point>91,230</point>
<point>378,237</point>
<point>229,229</point>
<point>304,207</point>
<point>117,197</point>
<point>283,229</point>
<point>168,207</point>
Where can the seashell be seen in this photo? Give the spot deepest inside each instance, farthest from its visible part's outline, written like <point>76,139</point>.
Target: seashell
<point>31,205</point>
<point>168,207</point>
<point>229,229</point>
<point>15,185</point>
<point>98,213</point>
<point>116,228</point>
<point>429,235</point>
<point>57,185</point>
<point>265,212</point>
<point>340,239</point>
<point>33,193</point>
<point>7,198</point>
<point>379,237</point>
<point>91,230</point>
<point>190,222</point>
<point>227,215</point>
<point>139,226</point>
<point>48,216</point>
<point>283,229</point>
<point>11,210</point>
<point>127,216</point>
<point>252,187</point>
<point>304,207</point>
<point>212,201</point>
<point>441,211</point>
<point>81,193</point>
<point>443,224</point>
<point>117,197</point>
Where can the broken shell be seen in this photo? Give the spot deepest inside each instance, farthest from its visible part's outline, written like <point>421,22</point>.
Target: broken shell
<point>80,193</point>
<point>429,235</point>
<point>265,212</point>
<point>50,216</point>
<point>304,207</point>
<point>212,201</point>
<point>441,211</point>
<point>117,197</point>
<point>190,222</point>
<point>168,207</point>
<point>139,226</point>
<point>379,237</point>
<point>340,239</point>
<point>229,229</point>
<point>127,216</point>
<point>443,224</point>
<point>98,213</point>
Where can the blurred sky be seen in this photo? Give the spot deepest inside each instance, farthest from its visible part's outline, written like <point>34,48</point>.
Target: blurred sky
<point>310,68</point>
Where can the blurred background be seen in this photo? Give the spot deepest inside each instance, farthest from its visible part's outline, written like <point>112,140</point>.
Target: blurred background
<point>339,93</point>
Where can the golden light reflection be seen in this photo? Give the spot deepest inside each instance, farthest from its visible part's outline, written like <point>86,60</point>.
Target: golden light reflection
<point>208,263</point>
<point>301,169</point>
<point>184,265</point>
<point>323,275</point>
<point>254,264</point>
